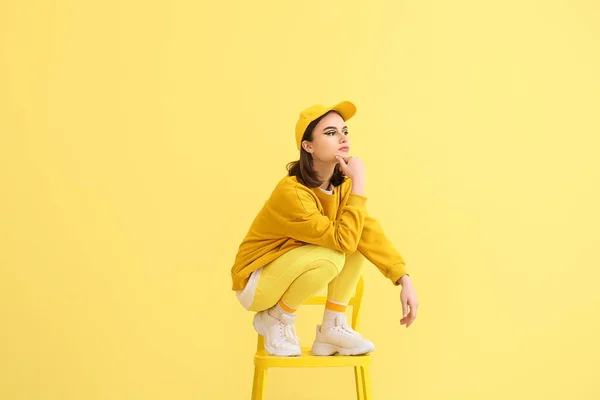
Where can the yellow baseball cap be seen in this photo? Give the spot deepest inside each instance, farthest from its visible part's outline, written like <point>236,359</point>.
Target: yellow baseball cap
<point>345,108</point>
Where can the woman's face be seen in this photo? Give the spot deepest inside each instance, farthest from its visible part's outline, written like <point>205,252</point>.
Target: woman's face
<point>330,139</point>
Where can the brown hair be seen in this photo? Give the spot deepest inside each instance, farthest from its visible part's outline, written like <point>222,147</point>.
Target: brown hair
<point>303,170</point>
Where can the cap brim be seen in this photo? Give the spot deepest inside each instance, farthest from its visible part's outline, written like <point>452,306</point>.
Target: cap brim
<point>346,109</point>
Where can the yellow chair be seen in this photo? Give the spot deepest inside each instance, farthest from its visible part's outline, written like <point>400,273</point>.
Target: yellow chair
<point>263,361</point>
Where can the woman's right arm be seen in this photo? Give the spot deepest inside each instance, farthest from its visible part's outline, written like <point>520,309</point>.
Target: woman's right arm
<point>304,222</point>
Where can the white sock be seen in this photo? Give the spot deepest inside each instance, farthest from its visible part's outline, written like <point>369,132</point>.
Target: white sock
<point>277,311</point>
<point>329,317</point>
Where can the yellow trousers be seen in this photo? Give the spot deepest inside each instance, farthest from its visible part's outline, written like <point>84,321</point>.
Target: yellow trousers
<point>301,273</point>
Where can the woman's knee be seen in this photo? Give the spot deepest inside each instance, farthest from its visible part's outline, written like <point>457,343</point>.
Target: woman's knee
<point>332,260</point>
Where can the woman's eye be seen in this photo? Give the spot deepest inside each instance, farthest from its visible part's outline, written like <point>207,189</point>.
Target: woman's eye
<point>331,133</point>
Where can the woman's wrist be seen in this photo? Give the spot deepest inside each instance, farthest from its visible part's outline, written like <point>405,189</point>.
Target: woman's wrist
<point>358,187</point>
<point>404,279</point>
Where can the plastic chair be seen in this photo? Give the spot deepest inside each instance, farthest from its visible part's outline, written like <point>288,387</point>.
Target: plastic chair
<point>263,360</point>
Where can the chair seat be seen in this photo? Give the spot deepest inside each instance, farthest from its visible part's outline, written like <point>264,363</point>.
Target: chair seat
<point>263,359</point>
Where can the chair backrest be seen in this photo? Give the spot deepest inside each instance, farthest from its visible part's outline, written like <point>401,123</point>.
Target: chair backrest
<point>354,302</point>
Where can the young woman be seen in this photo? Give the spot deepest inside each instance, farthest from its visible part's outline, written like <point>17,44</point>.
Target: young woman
<point>314,231</point>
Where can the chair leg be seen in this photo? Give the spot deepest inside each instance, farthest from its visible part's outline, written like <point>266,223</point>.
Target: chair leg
<point>358,380</point>
<point>367,383</point>
<point>258,386</point>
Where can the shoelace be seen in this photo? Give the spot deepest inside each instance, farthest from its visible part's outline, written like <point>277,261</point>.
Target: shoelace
<point>346,330</point>
<point>288,334</point>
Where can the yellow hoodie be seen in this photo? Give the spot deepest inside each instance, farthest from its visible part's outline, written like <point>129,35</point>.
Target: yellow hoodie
<point>295,215</point>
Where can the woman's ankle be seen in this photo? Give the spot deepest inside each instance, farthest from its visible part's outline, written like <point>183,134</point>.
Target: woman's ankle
<point>279,309</point>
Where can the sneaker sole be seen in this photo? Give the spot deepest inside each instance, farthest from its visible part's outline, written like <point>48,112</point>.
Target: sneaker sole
<point>261,329</point>
<point>326,349</point>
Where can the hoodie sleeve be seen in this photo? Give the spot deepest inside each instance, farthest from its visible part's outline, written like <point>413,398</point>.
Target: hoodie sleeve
<point>304,221</point>
<point>377,248</point>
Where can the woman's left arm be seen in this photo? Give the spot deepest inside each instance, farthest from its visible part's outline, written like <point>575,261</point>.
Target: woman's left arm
<point>377,248</point>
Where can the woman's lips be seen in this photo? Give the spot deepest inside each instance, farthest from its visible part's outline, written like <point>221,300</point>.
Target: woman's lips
<point>344,148</point>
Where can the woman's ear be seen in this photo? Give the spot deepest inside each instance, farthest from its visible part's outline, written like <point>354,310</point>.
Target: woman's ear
<point>307,147</point>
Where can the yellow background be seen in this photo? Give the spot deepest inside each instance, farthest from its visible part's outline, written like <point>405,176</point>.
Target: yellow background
<point>139,139</point>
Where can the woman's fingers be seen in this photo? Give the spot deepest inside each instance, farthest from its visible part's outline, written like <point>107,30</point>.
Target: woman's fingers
<point>404,307</point>
<point>342,162</point>
<point>409,316</point>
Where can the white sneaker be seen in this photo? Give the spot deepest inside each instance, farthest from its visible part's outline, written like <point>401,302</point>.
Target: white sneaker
<point>341,339</point>
<point>280,335</point>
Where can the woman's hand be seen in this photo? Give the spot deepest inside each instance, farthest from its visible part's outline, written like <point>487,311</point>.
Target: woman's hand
<point>408,298</point>
<point>354,168</point>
